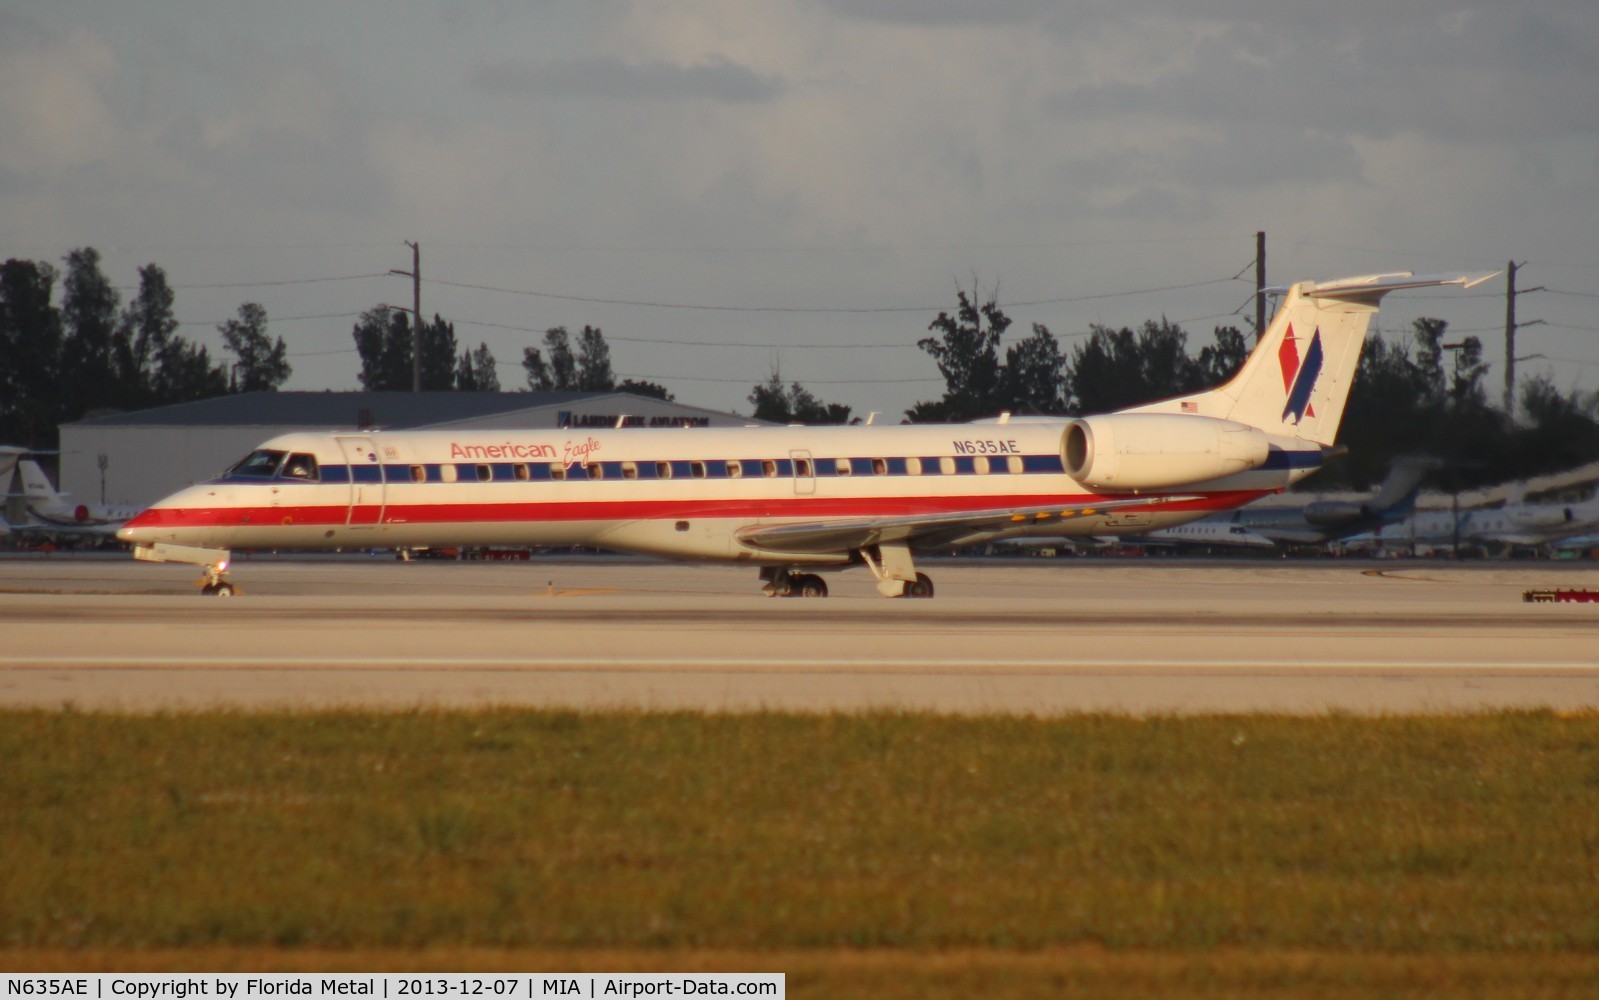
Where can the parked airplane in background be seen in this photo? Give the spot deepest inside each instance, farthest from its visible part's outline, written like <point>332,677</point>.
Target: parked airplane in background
<point>1515,525</point>
<point>1323,521</point>
<point>1207,532</point>
<point>9,453</point>
<point>51,512</point>
<point>795,500</point>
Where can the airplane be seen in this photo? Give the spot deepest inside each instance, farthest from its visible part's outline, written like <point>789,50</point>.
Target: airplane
<point>9,453</point>
<point>1323,521</point>
<point>1205,532</point>
<point>1515,525</point>
<point>1530,525</point>
<point>49,511</point>
<point>796,501</point>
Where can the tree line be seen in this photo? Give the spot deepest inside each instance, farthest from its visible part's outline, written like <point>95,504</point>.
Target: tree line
<point>92,354</point>
<point>1411,394</point>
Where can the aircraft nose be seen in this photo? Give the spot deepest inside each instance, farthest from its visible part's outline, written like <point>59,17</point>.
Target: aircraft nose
<point>138,528</point>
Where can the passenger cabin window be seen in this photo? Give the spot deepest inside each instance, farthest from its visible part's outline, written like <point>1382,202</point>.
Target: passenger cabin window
<point>447,473</point>
<point>520,473</point>
<point>696,469</point>
<point>663,470</point>
<point>301,467</point>
<point>913,466</point>
<point>802,467</point>
<point>735,470</point>
<point>485,473</point>
<point>557,472</point>
<point>946,466</point>
<point>980,465</point>
<point>629,470</point>
<point>1014,464</point>
<point>769,468</point>
<point>841,466</point>
<point>419,474</point>
<point>879,467</point>
<point>596,471</point>
<point>261,464</point>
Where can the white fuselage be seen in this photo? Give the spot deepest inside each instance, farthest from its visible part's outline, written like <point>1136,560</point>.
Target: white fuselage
<point>684,493</point>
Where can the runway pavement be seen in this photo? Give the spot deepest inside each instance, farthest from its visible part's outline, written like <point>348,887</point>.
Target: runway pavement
<point>1029,636</point>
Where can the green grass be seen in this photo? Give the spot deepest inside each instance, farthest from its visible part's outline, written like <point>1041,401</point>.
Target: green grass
<point>1466,839</point>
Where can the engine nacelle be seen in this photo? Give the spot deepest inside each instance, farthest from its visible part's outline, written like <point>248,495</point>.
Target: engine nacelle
<point>1142,451</point>
<point>1332,513</point>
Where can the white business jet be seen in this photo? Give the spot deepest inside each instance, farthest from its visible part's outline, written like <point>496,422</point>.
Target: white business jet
<point>798,501</point>
<point>52,513</point>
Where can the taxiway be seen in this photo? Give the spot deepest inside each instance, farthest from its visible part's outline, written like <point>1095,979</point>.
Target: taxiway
<point>1035,637</point>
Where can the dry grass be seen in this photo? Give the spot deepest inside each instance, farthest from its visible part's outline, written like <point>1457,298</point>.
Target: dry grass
<point>927,855</point>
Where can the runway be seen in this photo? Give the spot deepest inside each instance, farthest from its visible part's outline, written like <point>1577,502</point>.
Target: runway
<point>1029,636</point>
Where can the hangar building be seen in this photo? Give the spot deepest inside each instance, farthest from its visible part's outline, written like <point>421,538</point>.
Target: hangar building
<point>136,458</point>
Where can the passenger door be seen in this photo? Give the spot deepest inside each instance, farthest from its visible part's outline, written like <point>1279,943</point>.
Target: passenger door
<point>366,482</point>
<point>804,473</point>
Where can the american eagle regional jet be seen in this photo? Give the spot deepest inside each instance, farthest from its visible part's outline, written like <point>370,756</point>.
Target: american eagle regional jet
<point>798,501</point>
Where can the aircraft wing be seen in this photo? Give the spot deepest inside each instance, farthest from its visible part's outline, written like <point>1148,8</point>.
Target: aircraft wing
<point>930,530</point>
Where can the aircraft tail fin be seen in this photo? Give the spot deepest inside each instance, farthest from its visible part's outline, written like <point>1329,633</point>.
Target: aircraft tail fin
<point>36,488</point>
<point>1296,382</point>
<point>1397,494</point>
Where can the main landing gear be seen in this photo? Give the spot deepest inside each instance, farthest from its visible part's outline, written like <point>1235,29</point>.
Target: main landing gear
<point>782,583</point>
<point>896,574</point>
<point>891,564</point>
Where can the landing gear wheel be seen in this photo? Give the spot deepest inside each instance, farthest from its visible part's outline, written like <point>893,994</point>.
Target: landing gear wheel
<point>921,587</point>
<point>808,585</point>
<point>221,588</point>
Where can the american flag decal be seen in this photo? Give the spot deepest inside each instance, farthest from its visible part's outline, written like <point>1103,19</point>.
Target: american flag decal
<point>1190,407</point>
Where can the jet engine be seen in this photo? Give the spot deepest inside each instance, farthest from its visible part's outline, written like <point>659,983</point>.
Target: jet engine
<point>1139,451</point>
<point>1332,513</point>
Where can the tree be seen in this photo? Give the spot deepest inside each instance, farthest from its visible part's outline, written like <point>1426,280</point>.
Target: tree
<point>588,370</point>
<point>1030,379</point>
<point>794,404</point>
<point>967,355</point>
<point>155,364</point>
<point>593,362</point>
<point>383,340</point>
<point>262,364</point>
<point>477,371</point>
<point>641,388</point>
<point>1119,368</point>
<point>1220,361</point>
<point>89,320</point>
<point>31,376</point>
<point>385,343</point>
<point>146,327</point>
<point>560,371</point>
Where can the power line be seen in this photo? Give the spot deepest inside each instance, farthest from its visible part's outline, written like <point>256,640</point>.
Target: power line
<point>271,319</point>
<point>850,310</point>
<point>261,284</point>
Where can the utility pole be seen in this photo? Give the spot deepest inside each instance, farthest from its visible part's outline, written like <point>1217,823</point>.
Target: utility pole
<point>415,274</point>
<point>1510,334</point>
<point>1260,286</point>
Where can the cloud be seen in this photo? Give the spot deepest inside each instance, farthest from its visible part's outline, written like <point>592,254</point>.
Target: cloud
<point>55,111</point>
<point>605,78</point>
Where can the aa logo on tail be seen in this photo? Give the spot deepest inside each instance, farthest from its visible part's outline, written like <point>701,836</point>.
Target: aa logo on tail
<point>1299,375</point>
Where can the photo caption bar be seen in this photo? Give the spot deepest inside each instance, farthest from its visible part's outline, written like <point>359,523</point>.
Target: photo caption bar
<point>385,986</point>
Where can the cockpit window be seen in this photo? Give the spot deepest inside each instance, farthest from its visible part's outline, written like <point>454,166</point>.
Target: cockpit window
<point>262,464</point>
<point>300,467</point>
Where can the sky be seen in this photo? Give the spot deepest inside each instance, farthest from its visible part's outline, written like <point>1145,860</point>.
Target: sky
<point>732,188</point>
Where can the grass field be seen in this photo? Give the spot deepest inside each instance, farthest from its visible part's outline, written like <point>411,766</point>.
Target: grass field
<point>885,854</point>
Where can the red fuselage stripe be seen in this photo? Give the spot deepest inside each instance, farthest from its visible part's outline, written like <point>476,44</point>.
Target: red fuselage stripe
<point>641,510</point>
